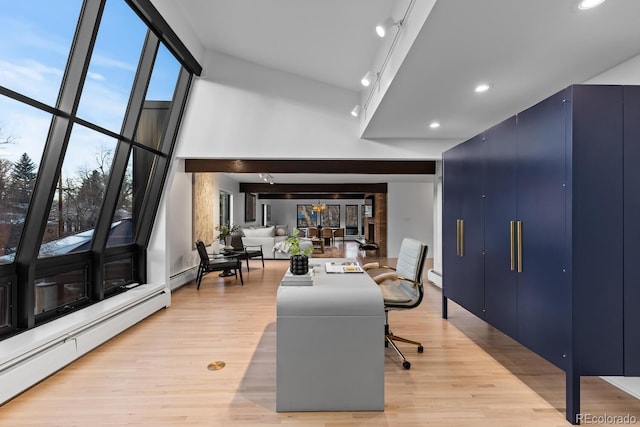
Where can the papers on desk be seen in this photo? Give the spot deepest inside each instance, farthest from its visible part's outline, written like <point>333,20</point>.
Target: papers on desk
<point>290,279</point>
<point>343,267</point>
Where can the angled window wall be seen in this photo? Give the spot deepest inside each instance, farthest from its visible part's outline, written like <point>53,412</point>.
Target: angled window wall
<point>91,97</point>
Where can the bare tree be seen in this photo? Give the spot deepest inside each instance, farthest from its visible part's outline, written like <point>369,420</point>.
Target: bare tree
<point>6,139</point>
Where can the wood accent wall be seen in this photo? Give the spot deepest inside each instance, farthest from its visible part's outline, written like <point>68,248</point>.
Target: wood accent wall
<point>203,193</point>
<point>379,220</point>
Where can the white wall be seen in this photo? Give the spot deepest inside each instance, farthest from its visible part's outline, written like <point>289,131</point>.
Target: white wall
<point>409,214</point>
<point>181,216</point>
<point>243,110</point>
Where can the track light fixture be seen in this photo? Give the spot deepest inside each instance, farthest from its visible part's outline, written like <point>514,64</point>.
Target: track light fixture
<point>385,26</point>
<point>368,79</point>
<point>374,78</point>
<point>266,177</point>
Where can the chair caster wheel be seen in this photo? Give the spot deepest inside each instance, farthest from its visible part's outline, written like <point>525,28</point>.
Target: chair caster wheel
<point>420,349</point>
<point>406,365</point>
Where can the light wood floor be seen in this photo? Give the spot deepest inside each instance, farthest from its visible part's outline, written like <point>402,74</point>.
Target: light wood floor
<point>156,372</point>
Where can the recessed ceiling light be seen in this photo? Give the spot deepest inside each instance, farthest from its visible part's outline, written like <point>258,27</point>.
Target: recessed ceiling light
<point>434,125</point>
<point>588,4</point>
<point>483,87</point>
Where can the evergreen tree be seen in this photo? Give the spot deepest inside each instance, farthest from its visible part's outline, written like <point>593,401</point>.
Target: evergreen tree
<point>23,178</point>
<point>17,196</point>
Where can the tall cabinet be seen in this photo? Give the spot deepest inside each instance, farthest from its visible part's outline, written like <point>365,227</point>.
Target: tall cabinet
<point>557,201</point>
<point>465,224</point>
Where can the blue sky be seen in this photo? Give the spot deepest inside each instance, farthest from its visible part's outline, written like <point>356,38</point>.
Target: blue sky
<point>37,35</point>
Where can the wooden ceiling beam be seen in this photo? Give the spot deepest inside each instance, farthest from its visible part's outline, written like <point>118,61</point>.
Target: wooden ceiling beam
<point>328,189</point>
<point>310,196</point>
<point>382,167</point>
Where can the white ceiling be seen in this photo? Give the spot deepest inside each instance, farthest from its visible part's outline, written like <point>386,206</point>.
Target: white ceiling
<point>332,41</point>
<point>527,49</point>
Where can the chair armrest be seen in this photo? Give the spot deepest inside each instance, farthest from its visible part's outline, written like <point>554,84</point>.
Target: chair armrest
<point>370,265</point>
<point>253,246</point>
<point>392,275</point>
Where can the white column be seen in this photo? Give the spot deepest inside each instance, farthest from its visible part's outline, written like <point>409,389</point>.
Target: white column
<point>435,274</point>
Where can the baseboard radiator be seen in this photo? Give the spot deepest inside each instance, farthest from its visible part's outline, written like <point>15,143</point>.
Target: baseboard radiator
<point>33,355</point>
<point>435,277</point>
<point>182,278</point>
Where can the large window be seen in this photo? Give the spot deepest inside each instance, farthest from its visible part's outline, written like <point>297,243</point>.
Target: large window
<point>60,291</point>
<point>113,66</point>
<point>225,207</point>
<point>23,132</point>
<point>306,217</point>
<point>36,38</point>
<point>87,130</point>
<point>351,220</point>
<point>330,217</point>
<point>81,187</point>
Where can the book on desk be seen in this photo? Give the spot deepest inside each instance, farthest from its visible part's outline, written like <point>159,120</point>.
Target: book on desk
<point>291,279</point>
<point>343,267</point>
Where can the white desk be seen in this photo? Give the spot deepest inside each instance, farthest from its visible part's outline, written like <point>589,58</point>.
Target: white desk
<point>330,344</point>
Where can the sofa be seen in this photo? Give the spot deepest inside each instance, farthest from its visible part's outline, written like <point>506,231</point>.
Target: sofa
<point>267,237</point>
<point>272,239</point>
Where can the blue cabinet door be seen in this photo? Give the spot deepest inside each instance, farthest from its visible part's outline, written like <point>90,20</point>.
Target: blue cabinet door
<point>463,275</point>
<point>544,294</point>
<point>597,227</point>
<point>631,231</point>
<point>500,227</point>
<point>451,201</point>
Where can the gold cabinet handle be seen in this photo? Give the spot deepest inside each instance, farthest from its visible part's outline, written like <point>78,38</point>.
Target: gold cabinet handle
<point>458,237</point>
<point>519,246</point>
<point>462,237</point>
<point>511,244</point>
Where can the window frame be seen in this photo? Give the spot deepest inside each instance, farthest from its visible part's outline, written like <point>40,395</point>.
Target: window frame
<point>23,271</point>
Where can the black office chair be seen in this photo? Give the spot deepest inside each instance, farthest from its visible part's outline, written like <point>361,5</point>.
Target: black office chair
<point>209,263</point>
<point>246,252</point>
<point>401,287</point>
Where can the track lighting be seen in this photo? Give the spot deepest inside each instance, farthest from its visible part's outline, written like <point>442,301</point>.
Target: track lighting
<point>367,79</point>
<point>266,177</point>
<point>386,25</point>
<point>356,111</point>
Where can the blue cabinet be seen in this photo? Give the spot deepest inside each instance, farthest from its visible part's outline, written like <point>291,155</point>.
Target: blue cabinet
<point>464,260</point>
<point>501,274</point>
<point>543,283</point>
<point>631,230</point>
<point>561,220</point>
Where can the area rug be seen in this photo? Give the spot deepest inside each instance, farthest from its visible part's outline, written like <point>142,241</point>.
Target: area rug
<point>329,252</point>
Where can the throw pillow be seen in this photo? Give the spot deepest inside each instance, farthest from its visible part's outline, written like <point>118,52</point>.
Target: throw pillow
<point>258,232</point>
<point>282,230</point>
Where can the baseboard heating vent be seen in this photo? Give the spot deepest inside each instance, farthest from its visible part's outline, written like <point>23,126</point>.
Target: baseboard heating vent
<point>435,277</point>
<point>32,356</point>
<point>183,278</point>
